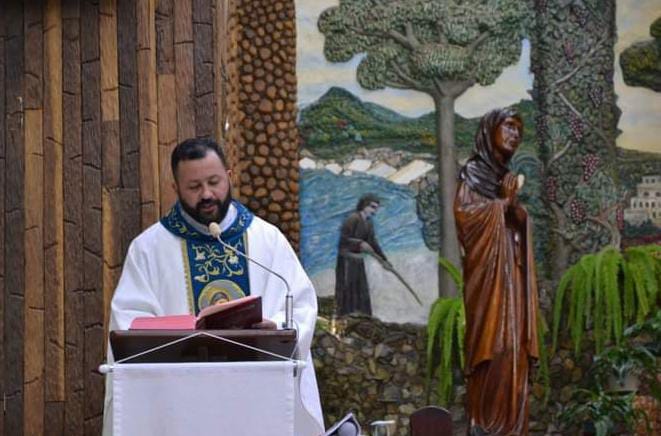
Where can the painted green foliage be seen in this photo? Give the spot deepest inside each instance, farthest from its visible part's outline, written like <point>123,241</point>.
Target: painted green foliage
<point>441,48</point>
<point>572,59</point>
<point>641,62</point>
<point>415,44</point>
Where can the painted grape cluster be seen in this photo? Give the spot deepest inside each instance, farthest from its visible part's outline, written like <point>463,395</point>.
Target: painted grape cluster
<point>551,185</point>
<point>590,163</point>
<point>577,211</point>
<point>576,126</point>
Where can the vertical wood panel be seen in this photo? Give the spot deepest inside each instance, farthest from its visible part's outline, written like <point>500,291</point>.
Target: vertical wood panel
<point>53,220</point>
<point>14,220</point>
<point>94,94</point>
<point>204,81</point>
<point>128,94</point>
<point>34,241</point>
<point>167,112</point>
<point>167,139</point>
<point>92,227</point>
<point>220,39</point>
<point>233,136</point>
<point>34,273</point>
<point>110,140</point>
<point>73,218</point>
<point>3,35</point>
<point>147,104</point>
<point>119,208</point>
<point>185,80</point>
<point>109,93</point>
<point>111,250</point>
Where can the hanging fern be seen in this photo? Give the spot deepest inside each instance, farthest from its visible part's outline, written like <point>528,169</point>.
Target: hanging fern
<point>445,337</point>
<point>543,374</point>
<point>605,291</point>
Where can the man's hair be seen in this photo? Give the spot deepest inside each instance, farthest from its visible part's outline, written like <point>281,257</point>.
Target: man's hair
<point>365,200</point>
<point>195,148</point>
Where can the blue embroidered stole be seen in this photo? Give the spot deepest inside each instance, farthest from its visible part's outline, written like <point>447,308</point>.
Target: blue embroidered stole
<point>213,273</point>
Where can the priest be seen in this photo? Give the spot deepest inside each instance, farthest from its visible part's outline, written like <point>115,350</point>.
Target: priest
<point>500,291</point>
<point>176,266</point>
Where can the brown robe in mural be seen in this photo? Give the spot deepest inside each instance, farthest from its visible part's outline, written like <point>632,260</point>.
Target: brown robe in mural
<point>500,296</point>
<point>351,289</point>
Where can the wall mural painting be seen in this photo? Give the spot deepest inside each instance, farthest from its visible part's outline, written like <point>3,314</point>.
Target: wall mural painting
<point>369,127</point>
<point>638,86</point>
<point>381,102</point>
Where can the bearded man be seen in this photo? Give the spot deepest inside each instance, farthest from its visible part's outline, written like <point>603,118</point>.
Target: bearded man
<point>500,291</point>
<point>177,267</point>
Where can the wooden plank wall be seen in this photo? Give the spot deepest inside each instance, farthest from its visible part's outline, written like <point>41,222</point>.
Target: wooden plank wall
<point>94,94</point>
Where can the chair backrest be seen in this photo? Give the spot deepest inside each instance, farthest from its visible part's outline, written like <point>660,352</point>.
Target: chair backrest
<point>431,421</point>
<point>347,426</point>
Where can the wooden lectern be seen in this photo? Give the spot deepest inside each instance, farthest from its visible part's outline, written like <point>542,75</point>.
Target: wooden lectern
<point>175,346</point>
<point>182,382</point>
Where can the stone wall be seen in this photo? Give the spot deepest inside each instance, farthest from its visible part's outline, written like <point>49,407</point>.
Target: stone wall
<point>265,112</point>
<point>373,369</point>
<point>377,371</point>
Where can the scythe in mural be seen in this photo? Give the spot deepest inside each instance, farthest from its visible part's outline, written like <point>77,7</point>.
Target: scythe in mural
<point>440,48</point>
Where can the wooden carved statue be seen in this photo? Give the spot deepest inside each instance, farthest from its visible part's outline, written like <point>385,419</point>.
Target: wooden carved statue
<point>500,292</point>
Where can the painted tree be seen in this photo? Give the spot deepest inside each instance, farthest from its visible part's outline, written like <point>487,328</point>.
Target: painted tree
<point>440,48</point>
<point>641,62</point>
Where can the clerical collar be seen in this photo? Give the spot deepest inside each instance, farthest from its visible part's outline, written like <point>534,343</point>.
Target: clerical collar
<point>225,224</point>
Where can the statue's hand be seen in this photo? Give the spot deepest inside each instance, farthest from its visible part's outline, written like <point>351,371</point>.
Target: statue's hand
<point>508,188</point>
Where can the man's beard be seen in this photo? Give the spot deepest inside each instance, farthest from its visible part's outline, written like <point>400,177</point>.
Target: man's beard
<point>222,206</point>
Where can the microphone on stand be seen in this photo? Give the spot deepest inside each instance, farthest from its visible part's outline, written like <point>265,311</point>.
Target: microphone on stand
<point>215,231</point>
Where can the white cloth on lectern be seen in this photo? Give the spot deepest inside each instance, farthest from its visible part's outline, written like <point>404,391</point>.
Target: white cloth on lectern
<point>203,398</point>
<point>153,283</point>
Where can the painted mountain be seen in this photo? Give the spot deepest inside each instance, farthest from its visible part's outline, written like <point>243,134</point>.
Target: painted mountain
<point>339,122</point>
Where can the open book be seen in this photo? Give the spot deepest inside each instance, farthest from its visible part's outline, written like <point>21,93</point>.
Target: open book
<point>241,313</point>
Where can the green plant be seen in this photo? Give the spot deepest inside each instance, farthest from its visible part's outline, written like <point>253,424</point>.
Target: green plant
<point>618,362</point>
<point>647,333</point>
<point>445,333</point>
<point>646,337</point>
<point>606,291</point>
<point>604,410</point>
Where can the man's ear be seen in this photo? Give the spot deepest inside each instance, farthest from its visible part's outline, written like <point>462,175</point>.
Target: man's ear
<point>175,187</point>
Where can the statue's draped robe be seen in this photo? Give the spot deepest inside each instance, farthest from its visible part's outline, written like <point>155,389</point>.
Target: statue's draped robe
<point>351,288</point>
<point>500,296</point>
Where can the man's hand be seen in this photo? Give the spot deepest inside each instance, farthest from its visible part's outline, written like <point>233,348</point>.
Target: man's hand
<point>264,324</point>
<point>365,247</point>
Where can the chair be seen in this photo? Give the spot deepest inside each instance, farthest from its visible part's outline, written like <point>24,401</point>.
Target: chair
<point>431,421</point>
<point>347,426</point>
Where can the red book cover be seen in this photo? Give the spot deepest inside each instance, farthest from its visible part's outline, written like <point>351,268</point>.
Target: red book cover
<point>241,313</point>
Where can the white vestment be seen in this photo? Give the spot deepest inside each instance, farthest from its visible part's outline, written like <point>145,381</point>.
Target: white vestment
<point>153,283</point>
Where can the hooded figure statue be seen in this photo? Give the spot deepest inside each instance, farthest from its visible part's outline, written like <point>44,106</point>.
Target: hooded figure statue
<point>500,292</point>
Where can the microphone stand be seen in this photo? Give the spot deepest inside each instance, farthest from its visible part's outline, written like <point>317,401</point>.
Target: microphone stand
<point>215,231</point>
